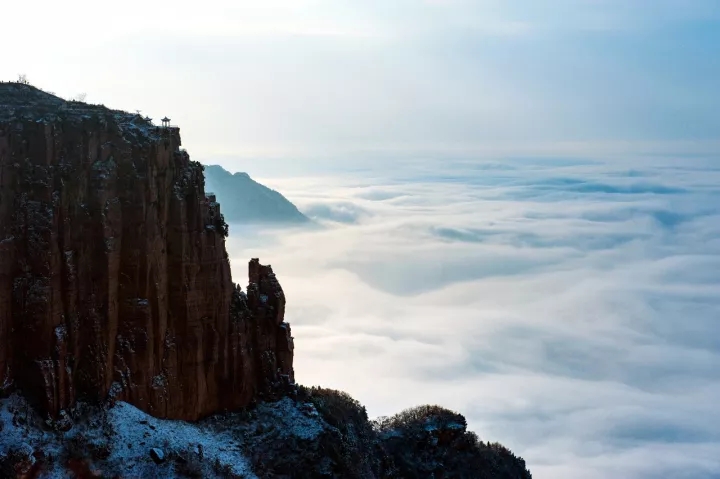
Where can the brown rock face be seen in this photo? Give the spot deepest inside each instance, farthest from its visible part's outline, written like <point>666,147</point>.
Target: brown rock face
<point>114,278</point>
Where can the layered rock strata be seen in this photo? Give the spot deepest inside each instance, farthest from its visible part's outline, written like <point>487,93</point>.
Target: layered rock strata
<point>114,278</point>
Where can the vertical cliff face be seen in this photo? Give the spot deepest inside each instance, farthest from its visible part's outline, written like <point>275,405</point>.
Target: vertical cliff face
<point>114,278</point>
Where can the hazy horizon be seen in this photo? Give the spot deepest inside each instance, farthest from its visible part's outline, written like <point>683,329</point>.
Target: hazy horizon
<point>308,79</point>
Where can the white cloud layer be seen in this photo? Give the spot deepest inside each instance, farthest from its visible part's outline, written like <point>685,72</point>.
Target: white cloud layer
<point>568,308</point>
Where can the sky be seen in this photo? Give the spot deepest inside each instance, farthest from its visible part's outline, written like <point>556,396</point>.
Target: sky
<point>303,79</point>
<point>516,203</point>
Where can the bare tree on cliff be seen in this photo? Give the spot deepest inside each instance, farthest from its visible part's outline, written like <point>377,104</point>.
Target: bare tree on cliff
<point>22,79</point>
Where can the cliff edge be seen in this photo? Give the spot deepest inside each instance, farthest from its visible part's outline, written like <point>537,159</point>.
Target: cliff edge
<point>114,278</point>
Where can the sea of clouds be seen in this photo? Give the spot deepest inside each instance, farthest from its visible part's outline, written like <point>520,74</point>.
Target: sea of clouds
<point>570,309</point>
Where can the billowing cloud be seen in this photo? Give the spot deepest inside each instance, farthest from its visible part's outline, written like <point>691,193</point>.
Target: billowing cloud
<point>342,212</point>
<point>568,308</point>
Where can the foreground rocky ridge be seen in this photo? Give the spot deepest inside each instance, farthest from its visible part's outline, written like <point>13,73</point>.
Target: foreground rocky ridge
<point>114,278</point>
<point>315,433</point>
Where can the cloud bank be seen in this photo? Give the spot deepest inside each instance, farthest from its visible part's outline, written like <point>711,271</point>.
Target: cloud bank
<point>568,308</point>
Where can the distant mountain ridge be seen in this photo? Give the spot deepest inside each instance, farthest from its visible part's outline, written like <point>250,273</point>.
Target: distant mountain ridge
<point>247,201</point>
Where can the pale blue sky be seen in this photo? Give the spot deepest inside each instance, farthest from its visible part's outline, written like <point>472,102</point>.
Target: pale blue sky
<point>307,78</point>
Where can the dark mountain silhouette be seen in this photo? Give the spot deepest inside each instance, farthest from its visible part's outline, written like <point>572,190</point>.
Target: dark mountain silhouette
<point>245,200</point>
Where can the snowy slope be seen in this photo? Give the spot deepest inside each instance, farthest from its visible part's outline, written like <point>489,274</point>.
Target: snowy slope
<point>123,441</point>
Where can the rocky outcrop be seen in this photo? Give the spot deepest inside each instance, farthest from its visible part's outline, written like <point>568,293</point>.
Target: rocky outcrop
<point>114,278</point>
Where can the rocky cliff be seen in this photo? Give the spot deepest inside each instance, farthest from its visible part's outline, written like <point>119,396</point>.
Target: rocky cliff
<point>114,278</point>
<point>119,322</point>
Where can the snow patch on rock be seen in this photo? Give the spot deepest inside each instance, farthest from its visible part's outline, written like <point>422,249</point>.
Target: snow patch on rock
<point>290,420</point>
<point>120,441</point>
<point>136,433</point>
